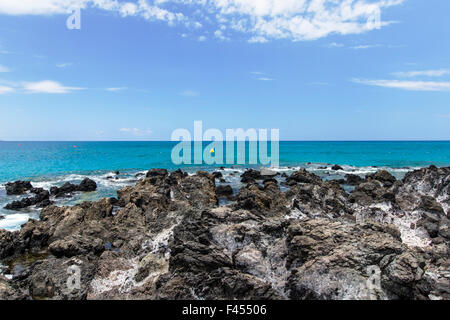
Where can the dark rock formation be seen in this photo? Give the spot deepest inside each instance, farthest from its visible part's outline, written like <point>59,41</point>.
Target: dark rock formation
<point>303,176</point>
<point>336,167</point>
<point>41,200</point>
<point>250,176</point>
<point>224,191</point>
<point>353,179</point>
<point>18,187</point>
<point>384,177</point>
<point>87,185</point>
<point>169,239</point>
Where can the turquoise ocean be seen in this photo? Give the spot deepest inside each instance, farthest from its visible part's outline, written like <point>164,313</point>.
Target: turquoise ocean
<point>48,164</point>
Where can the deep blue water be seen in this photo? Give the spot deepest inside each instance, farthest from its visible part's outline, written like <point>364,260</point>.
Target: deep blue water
<point>48,164</point>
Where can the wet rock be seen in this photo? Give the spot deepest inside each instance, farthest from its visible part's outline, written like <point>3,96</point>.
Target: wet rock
<point>303,176</point>
<point>87,185</point>
<point>18,187</point>
<point>157,173</point>
<point>250,175</point>
<point>353,179</point>
<point>336,167</point>
<point>217,175</point>
<point>384,177</point>
<point>224,191</point>
<point>41,199</point>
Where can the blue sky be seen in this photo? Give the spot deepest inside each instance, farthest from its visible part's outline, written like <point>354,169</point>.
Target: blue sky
<point>137,70</point>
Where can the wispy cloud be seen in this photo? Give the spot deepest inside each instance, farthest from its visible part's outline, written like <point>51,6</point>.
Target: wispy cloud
<point>425,73</point>
<point>260,21</point>
<point>190,93</point>
<point>48,86</point>
<point>116,89</point>
<point>202,38</point>
<point>407,85</point>
<point>5,89</point>
<point>220,35</point>
<point>64,65</point>
<point>366,46</point>
<point>258,39</point>
<point>335,45</point>
<point>261,76</point>
<point>3,69</point>
<point>136,131</point>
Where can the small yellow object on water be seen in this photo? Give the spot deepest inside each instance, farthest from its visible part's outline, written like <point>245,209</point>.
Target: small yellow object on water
<point>212,150</point>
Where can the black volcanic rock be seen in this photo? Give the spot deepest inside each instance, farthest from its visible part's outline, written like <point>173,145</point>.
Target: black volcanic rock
<point>41,199</point>
<point>87,185</point>
<point>250,175</point>
<point>224,191</point>
<point>303,176</point>
<point>18,187</point>
<point>157,173</point>
<point>167,237</point>
<point>353,179</point>
<point>384,177</point>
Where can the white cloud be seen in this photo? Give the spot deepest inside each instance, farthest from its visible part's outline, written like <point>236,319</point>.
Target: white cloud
<point>258,39</point>
<point>219,35</point>
<point>4,89</point>
<point>258,20</point>
<point>3,69</point>
<point>265,79</point>
<point>64,65</point>
<point>136,131</point>
<point>407,85</point>
<point>202,38</point>
<point>366,46</point>
<point>116,89</point>
<point>426,73</point>
<point>335,45</point>
<point>47,86</point>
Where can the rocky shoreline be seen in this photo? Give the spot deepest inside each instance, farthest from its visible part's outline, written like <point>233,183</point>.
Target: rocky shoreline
<point>278,237</point>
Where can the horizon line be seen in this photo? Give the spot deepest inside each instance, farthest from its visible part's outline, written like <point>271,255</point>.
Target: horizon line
<point>368,140</point>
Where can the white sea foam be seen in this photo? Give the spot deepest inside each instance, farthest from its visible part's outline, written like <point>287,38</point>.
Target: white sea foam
<point>13,222</point>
